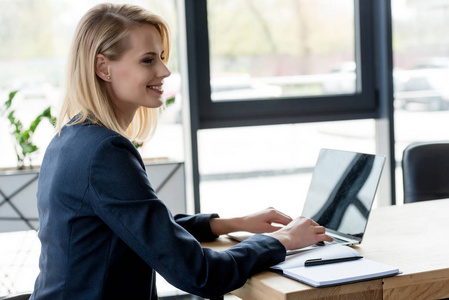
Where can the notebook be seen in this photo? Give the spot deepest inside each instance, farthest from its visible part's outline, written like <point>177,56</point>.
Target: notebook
<point>351,267</point>
<point>341,194</point>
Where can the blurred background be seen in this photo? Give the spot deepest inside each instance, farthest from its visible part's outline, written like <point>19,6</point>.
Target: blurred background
<point>258,48</point>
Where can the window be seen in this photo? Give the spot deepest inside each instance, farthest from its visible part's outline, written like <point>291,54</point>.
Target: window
<point>272,62</point>
<point>274,49</point>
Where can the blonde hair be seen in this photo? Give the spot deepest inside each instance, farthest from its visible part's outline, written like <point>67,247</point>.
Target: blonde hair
<point>102,30</point>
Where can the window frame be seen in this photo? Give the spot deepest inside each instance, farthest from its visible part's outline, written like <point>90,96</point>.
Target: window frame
<point>251,112</point>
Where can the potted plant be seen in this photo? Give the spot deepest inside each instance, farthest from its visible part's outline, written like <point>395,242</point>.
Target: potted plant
<point>23,144</point>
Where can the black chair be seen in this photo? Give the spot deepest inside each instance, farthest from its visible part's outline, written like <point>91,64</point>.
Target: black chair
<point>425,170</point>
<point>21,296</point>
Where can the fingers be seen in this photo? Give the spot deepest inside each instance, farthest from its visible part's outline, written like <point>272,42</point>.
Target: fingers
<point>319,229</point>
<point>282,219</point>
<point>315,233</point>
<point>314,223</point>
<point>264,221</point>
<point>300,233</point>
<point>325,237</point>
<point>279,217</point>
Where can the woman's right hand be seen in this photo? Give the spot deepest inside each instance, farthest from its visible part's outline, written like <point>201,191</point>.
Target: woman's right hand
<point>300,233</point>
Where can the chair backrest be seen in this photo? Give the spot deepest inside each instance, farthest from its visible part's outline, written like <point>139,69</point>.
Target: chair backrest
<point>425,169</point>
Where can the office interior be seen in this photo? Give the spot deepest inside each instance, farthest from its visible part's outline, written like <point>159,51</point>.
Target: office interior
<point>259,88</point>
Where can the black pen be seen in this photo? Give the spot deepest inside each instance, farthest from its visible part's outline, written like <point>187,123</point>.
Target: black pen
<point>320,261</point>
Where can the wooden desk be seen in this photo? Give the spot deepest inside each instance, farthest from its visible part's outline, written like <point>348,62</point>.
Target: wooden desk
<point>412,237</point>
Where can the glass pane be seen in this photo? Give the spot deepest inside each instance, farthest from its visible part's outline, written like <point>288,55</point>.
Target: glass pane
<point>272,49</point>
<point>252,168</point>
<point>421,73</point>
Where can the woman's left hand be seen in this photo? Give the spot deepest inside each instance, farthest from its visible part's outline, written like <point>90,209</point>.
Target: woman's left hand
<point>262,221</point>
<point>259,222</point>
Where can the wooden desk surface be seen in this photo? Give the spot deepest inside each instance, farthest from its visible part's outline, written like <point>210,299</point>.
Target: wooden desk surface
<point>412,237</point>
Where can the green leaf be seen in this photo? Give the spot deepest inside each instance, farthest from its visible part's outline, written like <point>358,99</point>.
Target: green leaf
<point>137,144</point>
<point>53,121</point>
<point>170,101</point>
<point>47,114</point>
<point>9,101</point>
<point>25,136</point>
<point>35,123</point>
<point>11,118</point>
<point>27,148</point>
<point>16,123</point>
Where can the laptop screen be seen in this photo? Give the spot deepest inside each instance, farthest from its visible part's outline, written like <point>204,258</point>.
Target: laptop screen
<point>342,190</point>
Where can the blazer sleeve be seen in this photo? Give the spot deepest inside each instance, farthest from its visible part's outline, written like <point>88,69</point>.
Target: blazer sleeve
<point>123,198</point>
<point>197,225</point>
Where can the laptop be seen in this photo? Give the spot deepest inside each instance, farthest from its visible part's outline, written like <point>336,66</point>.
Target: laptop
<point>342,191</point>
<point>341,194</point>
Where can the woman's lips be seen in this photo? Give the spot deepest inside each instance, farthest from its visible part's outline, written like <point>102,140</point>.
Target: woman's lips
<point>156,88</point>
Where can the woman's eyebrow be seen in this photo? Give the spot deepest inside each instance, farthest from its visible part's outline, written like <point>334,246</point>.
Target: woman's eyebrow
<point>153,53</point>
<point>150,53</point>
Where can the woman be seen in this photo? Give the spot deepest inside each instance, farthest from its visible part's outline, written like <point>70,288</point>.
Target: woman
<point>103,230</point>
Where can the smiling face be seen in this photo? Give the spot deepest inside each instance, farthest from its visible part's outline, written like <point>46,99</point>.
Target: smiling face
<point>136,79</point>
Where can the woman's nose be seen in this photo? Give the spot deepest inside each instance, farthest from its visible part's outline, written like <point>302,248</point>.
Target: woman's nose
<point>164,71</point>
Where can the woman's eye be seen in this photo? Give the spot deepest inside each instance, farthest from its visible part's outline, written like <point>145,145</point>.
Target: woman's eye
<point>147,60</point>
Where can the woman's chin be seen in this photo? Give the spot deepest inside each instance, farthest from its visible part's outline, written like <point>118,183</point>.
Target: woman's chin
<point>155,103</point>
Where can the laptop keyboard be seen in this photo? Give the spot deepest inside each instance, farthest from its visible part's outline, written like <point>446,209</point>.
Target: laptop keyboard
<point>337,241</point>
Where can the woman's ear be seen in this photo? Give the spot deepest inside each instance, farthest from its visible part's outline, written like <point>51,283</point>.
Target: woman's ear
<point>102,67</point>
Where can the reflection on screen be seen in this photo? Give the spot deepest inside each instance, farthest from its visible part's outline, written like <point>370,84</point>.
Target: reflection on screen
<point>342,190</point>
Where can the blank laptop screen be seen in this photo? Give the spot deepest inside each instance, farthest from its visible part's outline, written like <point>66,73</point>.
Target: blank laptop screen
<point>342,190</point>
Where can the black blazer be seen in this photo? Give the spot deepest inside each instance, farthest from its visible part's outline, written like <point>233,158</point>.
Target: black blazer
<point>104,231</point>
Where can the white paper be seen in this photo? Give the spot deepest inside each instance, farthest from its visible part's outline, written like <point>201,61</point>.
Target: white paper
<point>325,252</point>
<point>336,273</point>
